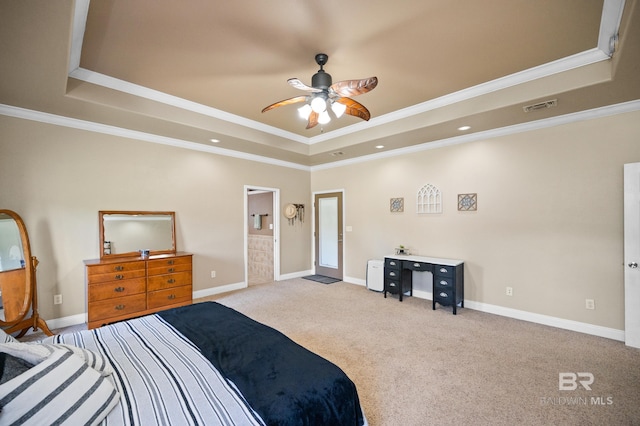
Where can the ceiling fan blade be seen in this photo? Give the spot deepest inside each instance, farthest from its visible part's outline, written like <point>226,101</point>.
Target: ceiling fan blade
<point>354,108</point>
<point>354,87</point>
<point>294,82</point>
<point>285,102</point>
<point>313,120</point>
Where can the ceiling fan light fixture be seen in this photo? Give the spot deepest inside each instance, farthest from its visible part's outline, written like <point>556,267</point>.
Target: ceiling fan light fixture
<point>319,104</point>
<point>324,118</point>
<point>338,109</point>
<point>304,111</point>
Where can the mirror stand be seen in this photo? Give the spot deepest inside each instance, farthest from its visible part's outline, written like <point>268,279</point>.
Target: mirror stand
<point>34,321</point>
<point>18,288</point>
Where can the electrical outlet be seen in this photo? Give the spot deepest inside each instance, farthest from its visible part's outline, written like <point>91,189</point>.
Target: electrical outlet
<point>509,291</point>
<point>57,299</point>
<point>590,304</point>
<point>213,274</point>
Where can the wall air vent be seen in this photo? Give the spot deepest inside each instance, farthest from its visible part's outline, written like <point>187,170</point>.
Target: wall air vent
<point>540,105</point>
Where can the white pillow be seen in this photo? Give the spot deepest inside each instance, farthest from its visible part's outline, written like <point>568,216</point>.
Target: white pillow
<point>62,389</point>
<point>5,338</point>
<point>35,353</point>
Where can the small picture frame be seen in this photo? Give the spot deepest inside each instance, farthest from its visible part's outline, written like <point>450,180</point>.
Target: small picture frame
<point>467,202</point>
<point>396,205</point>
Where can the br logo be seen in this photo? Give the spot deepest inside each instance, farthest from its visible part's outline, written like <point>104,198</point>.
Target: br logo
<point>569,381</point>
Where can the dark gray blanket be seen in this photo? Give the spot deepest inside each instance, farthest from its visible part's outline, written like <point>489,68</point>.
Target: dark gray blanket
<point>283,382</point>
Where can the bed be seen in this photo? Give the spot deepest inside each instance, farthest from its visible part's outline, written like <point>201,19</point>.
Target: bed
<point>200,364</point>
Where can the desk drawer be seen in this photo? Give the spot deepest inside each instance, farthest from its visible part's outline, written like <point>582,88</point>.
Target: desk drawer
<point>417,266</point>
<point>444,296</point>
<point>392,286</point>
<point>393,274</point>
<point>392,263</point>
<point>443,271</point>
<point>443,282</point>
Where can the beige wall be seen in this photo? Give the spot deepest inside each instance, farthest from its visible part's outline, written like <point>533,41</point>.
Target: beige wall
<point>58,179</point>
<point>549,219</point>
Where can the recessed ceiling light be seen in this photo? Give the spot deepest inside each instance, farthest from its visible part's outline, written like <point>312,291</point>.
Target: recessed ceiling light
<point>214,140</point>
<point>379,146</point>
<point>463,128</point>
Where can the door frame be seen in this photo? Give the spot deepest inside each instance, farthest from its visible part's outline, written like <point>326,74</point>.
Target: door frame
<point>632,254</point>
<point>276,230</point>
<point>314,237</point>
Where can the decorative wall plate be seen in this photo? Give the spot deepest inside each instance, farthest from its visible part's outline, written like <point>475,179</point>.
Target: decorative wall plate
<point>396,205</point>
<point>467,202</point>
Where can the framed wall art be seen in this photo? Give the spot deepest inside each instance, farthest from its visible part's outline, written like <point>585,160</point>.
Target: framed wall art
<point>396,205</point>
<point>467,202</point>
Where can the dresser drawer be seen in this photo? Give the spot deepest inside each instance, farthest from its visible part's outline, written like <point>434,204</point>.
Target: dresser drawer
<point>110,308</point>
<point>392,263</point>
<point>171,296</point>
<point>116,267</point>
<point>168,269</point>
<point>443,271</point>
<point>169,262</point>
<point>160,282</point>
<point>93,278</point>
<point>113,289</point>
<point>417,266</point>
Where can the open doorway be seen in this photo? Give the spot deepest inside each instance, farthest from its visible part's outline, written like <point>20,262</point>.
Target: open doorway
<point>262,250</point>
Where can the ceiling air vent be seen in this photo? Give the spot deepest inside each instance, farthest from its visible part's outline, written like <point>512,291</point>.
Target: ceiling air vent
<point>540,105</point>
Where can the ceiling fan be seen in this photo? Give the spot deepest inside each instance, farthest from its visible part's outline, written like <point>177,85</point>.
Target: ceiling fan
<point>326,95</point>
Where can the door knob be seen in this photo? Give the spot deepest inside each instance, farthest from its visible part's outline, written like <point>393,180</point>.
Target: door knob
<point>633,265</point>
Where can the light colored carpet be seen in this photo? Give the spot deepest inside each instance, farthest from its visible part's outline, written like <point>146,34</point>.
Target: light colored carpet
<point>416,366</point>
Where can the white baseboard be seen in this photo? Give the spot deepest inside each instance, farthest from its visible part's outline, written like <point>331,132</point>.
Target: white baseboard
<point>580,327</point>
<point>218,290</point>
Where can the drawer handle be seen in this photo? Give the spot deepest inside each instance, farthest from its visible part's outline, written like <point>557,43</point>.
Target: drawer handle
<point>444,282</point>
<point>392,284</point>
<point>392,263</point>
<point>442,294</point>
<point>417,265</point>
<point>119,277</point>
<point>443,270</point>
<point>392,274</point>
<point>170,262</point>
<point>118,289</point>
<point>172,269</point>
<point>171,281</point>
<point>119,268</point>
<point>171,296</point>
<point>119,307</point>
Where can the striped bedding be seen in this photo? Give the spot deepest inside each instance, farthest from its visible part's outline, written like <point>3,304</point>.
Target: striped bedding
<point>161,376</point>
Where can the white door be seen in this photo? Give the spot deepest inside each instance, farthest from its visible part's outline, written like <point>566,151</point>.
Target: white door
<point>632,254</point>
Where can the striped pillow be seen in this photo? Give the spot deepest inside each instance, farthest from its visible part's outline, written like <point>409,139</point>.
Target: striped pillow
<point>37,352</point>
<point>62,389</point>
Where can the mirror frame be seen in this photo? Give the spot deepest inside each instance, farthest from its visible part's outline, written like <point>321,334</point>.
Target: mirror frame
<point>30,302</point>
<point>101,215</point>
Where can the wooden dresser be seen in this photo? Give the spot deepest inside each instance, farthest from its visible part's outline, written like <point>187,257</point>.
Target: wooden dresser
<point>128,287</point>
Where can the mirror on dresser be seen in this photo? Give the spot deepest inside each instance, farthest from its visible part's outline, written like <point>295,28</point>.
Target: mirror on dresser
<point>127,233</point>
<point>18,289</point>
<point>139,270</point>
